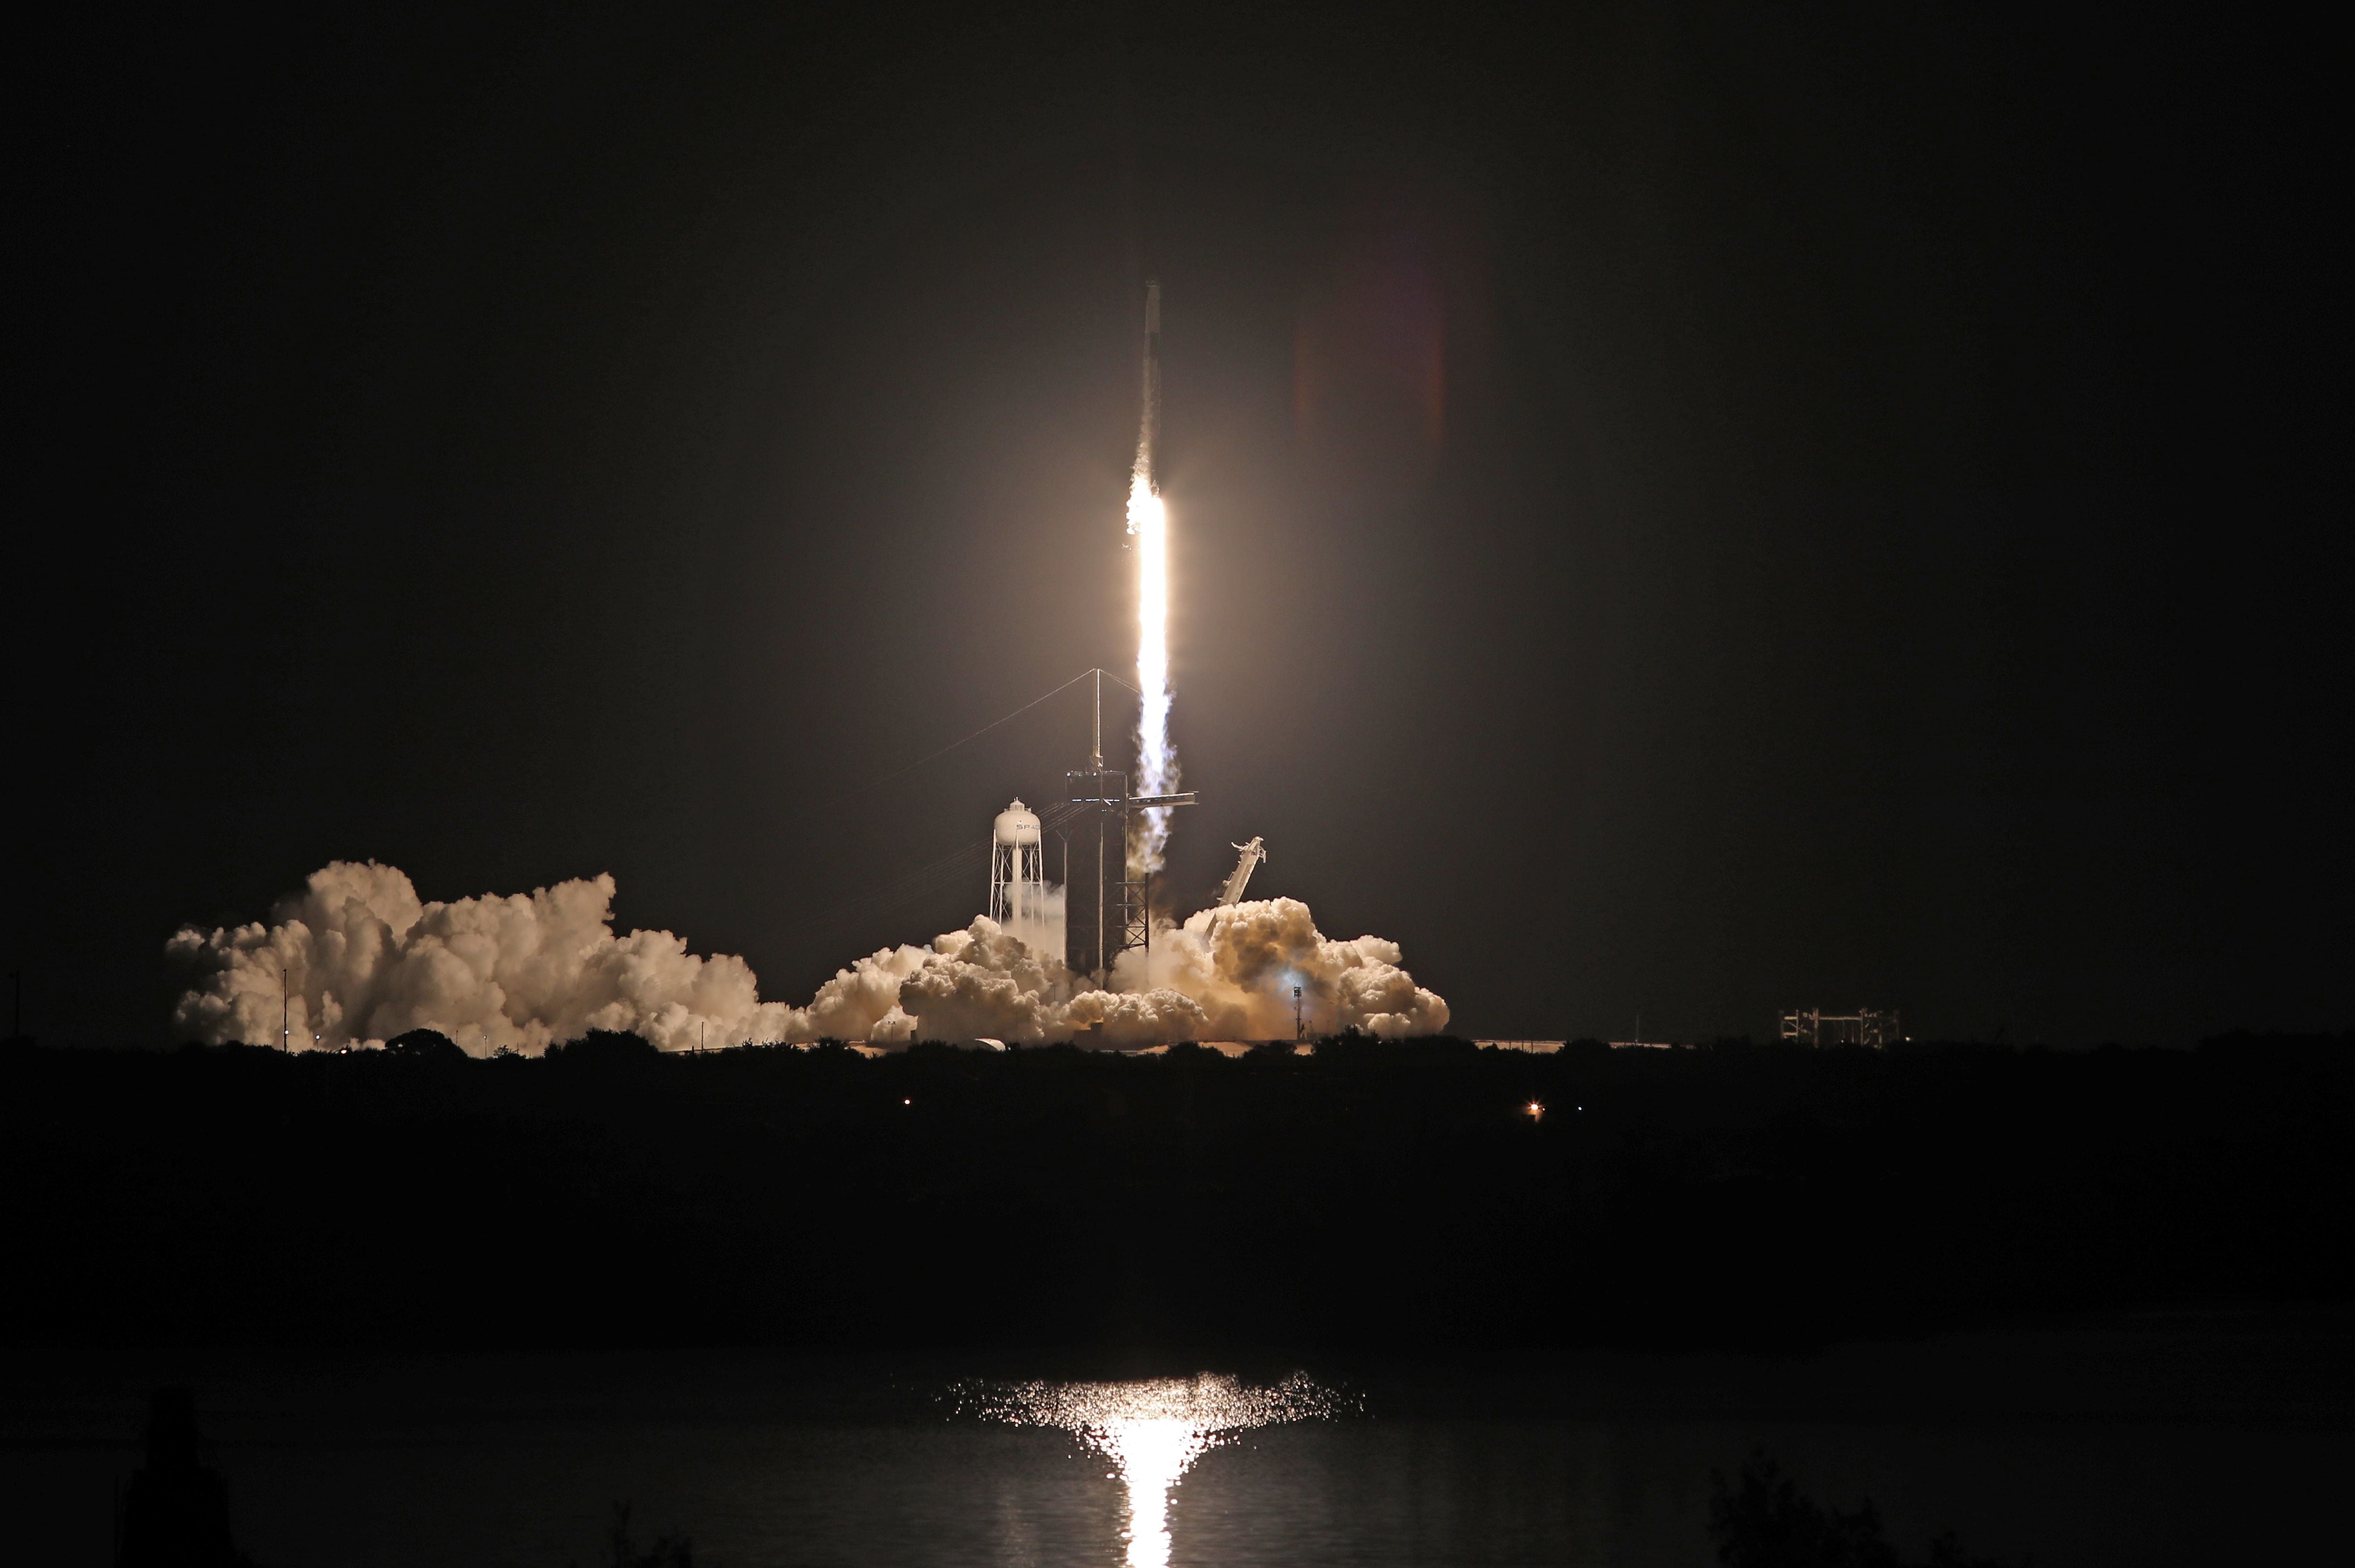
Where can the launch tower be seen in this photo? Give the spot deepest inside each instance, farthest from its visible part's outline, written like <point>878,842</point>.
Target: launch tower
<point>1124,906</point>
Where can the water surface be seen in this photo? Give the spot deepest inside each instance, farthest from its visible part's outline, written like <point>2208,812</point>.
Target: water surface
<point>2166,1440</point>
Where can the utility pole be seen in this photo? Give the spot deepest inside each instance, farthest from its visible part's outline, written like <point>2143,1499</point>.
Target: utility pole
<point>1299,1029</point>
<point>1095,765</point>
<point>285,1014</point>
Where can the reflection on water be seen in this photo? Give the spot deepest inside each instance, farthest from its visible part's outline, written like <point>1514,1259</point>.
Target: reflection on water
<point>1151,1430</point>
<point>2163,1442</point>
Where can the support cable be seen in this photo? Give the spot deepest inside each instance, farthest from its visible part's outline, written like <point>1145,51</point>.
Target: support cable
<point>986,728</point>
<point>934,876</point>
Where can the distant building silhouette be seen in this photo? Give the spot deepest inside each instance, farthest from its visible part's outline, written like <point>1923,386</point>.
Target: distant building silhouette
<point>1866,1026</point>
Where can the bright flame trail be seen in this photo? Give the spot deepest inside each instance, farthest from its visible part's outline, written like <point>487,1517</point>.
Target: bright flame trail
<point>1156,759</point>
<point>1148,522</point>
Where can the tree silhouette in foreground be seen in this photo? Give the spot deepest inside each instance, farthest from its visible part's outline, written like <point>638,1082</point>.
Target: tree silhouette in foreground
<point>1763,1523</point>
<point>425,1045</point>
<point>667,1550</point>
<point>176,1512</point>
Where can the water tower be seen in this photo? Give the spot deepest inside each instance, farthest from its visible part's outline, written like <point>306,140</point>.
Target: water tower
<point>1017,871</point>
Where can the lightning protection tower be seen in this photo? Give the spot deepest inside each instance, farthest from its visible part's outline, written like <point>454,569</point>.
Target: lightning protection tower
<point>1017,869</point>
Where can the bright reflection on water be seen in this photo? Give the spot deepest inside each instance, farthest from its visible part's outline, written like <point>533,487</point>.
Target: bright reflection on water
<point>1152,1430</point>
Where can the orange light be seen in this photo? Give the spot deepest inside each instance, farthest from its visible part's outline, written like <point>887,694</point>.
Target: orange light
<point>1535,1109</point>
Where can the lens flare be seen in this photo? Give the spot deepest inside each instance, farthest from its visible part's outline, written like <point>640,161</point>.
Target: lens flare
<point>1156,759</point>
<point>1152,1430</point>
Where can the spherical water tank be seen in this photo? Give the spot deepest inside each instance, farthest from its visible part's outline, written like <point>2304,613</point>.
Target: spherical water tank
<point>1017,825</point>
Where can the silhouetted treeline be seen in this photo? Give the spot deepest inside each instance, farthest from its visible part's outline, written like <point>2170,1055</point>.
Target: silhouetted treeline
<point>1371,1194</point>
<point>667,1552</point>
<point>1763,1520</point>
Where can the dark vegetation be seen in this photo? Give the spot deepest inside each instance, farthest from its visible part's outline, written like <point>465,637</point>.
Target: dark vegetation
<point>1374,1194</point>
<point>1762,1521</point>
<point>174,1513</point>
<point>667,1552</point>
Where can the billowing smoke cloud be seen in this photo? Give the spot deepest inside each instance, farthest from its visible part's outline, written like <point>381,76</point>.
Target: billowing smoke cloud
<point>1226,974</point>
<point>1241,962</point>
<point>363,958</point>
<point>358,956</point>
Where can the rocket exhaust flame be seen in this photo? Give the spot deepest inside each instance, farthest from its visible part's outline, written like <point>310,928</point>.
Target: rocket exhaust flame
<point>1148,524</point>
<point>1156,759</point>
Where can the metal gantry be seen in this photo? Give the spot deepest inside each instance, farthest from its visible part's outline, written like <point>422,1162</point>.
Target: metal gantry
<point>1100,795</point>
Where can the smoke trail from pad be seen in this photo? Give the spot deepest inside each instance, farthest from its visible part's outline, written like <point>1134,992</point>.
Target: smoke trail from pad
<point>1148,522</point>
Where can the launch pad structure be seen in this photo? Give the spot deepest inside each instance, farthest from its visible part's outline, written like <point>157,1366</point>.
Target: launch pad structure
<point>1101,799</point>
<point>1247,861</point>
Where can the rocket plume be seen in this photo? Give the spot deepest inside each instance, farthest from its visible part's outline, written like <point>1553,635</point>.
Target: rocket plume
<point>1148,524</point>
<point>1156,759</point>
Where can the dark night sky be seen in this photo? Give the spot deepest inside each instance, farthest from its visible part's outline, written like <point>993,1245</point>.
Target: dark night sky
<point>1695,509</point>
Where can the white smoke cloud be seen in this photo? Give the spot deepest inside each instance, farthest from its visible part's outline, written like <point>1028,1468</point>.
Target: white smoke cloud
<point>1226,974</point>
<point>358,956</point>
<point>1240,962</point>
<point>1040,922</point>
<point>364,959</point>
